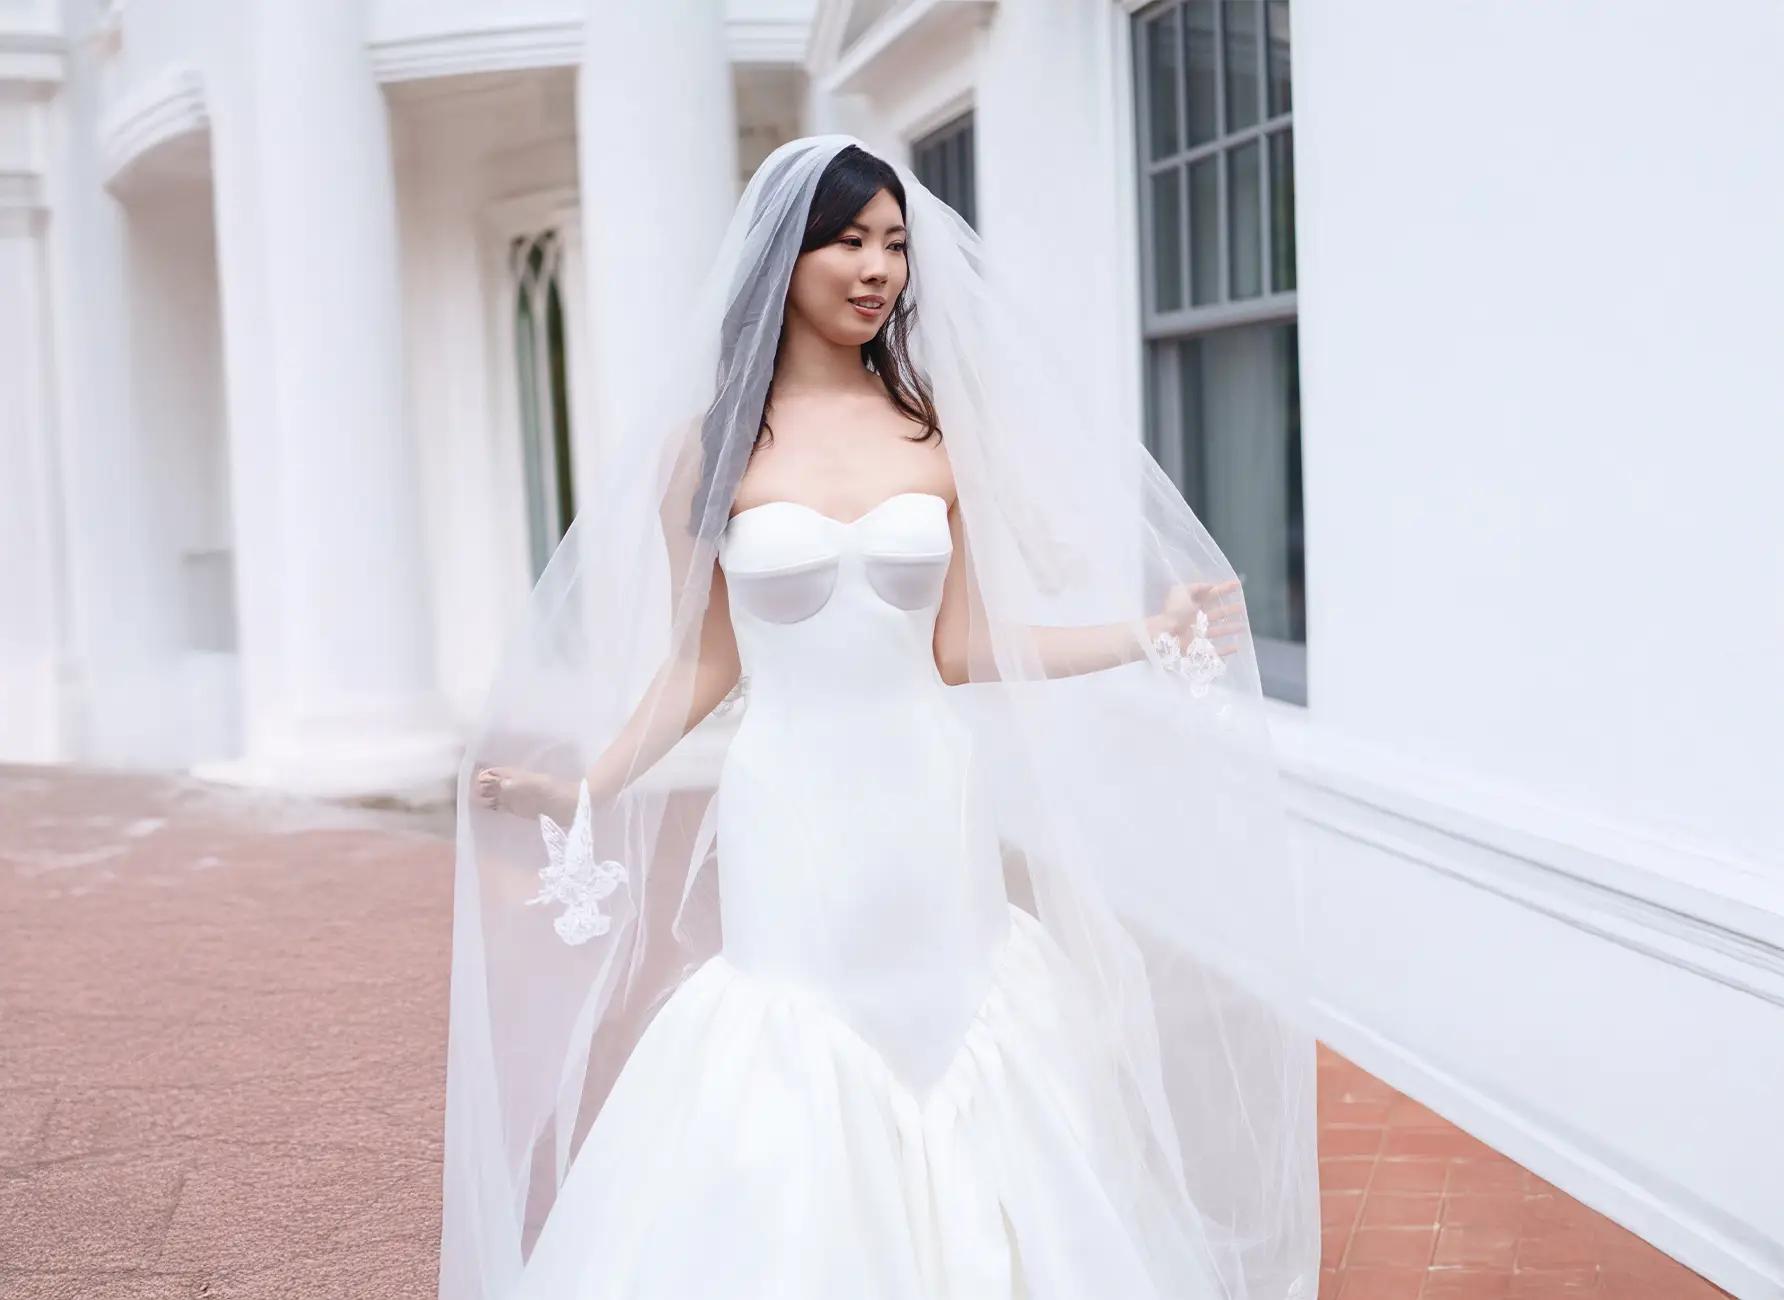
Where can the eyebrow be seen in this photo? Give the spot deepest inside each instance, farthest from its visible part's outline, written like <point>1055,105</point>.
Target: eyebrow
<point>890,230</point>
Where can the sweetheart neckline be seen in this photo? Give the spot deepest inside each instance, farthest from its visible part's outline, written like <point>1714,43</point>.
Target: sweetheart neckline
<point>840,523</point>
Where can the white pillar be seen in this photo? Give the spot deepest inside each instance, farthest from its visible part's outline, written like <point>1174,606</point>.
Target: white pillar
<point>338,670</point>
<point>34,632</point>
<point>657,155</point>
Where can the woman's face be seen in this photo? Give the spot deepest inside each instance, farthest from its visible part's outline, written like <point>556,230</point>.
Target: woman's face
<point>845,289</point>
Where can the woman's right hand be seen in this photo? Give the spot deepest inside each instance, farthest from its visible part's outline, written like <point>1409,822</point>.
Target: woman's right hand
<point>514,790</point>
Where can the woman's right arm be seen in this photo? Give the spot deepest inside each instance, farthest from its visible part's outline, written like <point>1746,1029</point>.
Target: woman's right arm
<point>685,689</point>
<point>700,681</point>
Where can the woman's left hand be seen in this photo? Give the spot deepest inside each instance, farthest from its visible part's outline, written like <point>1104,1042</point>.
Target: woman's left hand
<point>1221,601</point>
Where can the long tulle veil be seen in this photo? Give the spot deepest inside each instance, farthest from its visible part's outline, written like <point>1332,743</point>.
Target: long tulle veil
<point>1139,807</point>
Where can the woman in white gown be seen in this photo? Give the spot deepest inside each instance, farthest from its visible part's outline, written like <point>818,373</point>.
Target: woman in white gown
<point>893,1045</point>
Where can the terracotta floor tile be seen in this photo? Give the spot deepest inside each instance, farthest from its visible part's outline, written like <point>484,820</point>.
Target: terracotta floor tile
<point>1449,1143</point>
<point>1477,1246</point>
<point>1559,1248</point>
<point>1495,1175</point>
<point>1349,1173</point>
<point>1391,1247</point>
<point>1410,1175</point>
<point>1339,1209</point>
<point>1401,1209</point>
<point>1554,1284</point>
<point>1382,1284</point>
<point>1502,1233</point>
<point>1466,1284</point>
<point>1407,1113</point>
<point>1485,1209</point>
<point>1339,1112</point>
<point>1339,1142</point>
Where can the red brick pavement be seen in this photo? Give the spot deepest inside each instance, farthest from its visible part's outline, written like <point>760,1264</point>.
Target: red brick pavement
<point>222,1046</point>
<point>221,1070</point>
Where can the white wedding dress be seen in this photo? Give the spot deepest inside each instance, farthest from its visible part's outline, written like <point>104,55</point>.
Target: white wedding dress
<point>888,1084</point>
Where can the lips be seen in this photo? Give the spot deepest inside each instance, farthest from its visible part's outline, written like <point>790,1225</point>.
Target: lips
<point>869,302</point>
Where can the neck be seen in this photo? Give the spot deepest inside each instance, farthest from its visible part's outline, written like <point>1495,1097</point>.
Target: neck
<point>809,362</point>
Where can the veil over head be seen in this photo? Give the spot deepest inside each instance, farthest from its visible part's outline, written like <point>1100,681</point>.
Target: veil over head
<point>1138,807</point>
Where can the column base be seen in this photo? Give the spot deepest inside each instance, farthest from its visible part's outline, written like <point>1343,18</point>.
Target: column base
<point>415,768</point>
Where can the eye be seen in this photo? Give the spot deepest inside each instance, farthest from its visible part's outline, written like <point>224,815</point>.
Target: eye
<point>898,247</point>
<point>853,241</point>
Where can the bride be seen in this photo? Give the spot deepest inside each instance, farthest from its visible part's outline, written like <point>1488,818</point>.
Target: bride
<point>975,975</point>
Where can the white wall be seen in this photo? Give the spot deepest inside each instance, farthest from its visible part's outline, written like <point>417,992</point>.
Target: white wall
<point>1540,270</point>
<point>1533,788</point>
<point>1539,773</point>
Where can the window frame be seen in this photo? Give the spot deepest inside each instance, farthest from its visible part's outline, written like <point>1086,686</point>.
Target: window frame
<point>1282,663</point>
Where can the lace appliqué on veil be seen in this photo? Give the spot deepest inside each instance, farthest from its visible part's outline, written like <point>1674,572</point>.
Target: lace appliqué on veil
<point>734,698</point>
<point>1199,665</point>
<point>573,877</point>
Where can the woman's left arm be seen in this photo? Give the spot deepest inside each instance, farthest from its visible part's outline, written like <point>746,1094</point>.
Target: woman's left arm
<point>1071,650</point>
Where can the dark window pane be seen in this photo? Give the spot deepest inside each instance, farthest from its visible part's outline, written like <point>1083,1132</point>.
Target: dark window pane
<point>1167,240</point>
<point>1245,218</point>
<point>1282,99</point>
<point>943,160</point>
<point>1201,84</point>
<point>1282,211</point>
<point>1161,82</point>
<point>1238,459</point>
<point>1208,285</point>
<point>1244,100</point>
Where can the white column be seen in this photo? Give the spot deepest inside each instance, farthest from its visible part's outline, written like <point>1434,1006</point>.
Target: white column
<point>36,722</point>
<point>338,673</point>
<point>657,155</point>
<point>33,628</point>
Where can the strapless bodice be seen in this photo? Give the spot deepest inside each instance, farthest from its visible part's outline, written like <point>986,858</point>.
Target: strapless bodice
<point>823,607</point>
<point>857,856</point>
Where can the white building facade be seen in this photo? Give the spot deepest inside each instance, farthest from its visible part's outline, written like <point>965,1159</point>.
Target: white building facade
<point>1456,323</point>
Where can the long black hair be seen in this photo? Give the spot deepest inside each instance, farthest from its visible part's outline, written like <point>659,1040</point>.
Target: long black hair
<point>745,388</point>
<point>847,185</point>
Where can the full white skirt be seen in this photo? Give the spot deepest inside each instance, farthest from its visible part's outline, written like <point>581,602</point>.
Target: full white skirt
<point>755,1146</point>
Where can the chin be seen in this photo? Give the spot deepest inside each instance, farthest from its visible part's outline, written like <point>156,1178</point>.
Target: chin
<point>855,332</point>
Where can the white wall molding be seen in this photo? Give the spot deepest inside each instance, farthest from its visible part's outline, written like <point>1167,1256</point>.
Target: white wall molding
<point>156,112</point>
<point>1698,940</point>
<point>418,55</point>
<point>1710,915</point>
<point>768,40</point>
<point>1685,1226</point>
<point>33,58</point>
<point>912,34</point>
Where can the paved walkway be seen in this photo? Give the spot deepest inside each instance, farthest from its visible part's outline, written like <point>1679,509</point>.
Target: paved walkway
<point>222,1063</point>
<point>222,1055</point>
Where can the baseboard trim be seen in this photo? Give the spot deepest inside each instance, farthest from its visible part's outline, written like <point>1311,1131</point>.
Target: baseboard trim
<point>1732,1254</point>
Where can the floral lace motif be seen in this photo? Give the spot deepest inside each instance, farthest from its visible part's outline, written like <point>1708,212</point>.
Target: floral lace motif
<point>572,877</point>
<point>1200,664</point>
<point>734,698</point>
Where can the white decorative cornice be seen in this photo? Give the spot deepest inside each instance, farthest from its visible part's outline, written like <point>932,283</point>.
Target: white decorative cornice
<point>768,40</point>
<point>162,108</point>
<point>32,58</point>
<point>882,54</point>
<point>1718,917</point>
<point>555,43</point>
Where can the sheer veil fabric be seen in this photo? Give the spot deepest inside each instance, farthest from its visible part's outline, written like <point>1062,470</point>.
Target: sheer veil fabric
<point>1138,807</point>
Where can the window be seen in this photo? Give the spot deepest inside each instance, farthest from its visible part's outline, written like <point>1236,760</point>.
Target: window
<point>943,160</point>
<point>534,264</point>
<point>1217,252</point>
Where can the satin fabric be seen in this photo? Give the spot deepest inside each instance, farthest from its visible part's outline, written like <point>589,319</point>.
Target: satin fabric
<point>888,1082</point>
